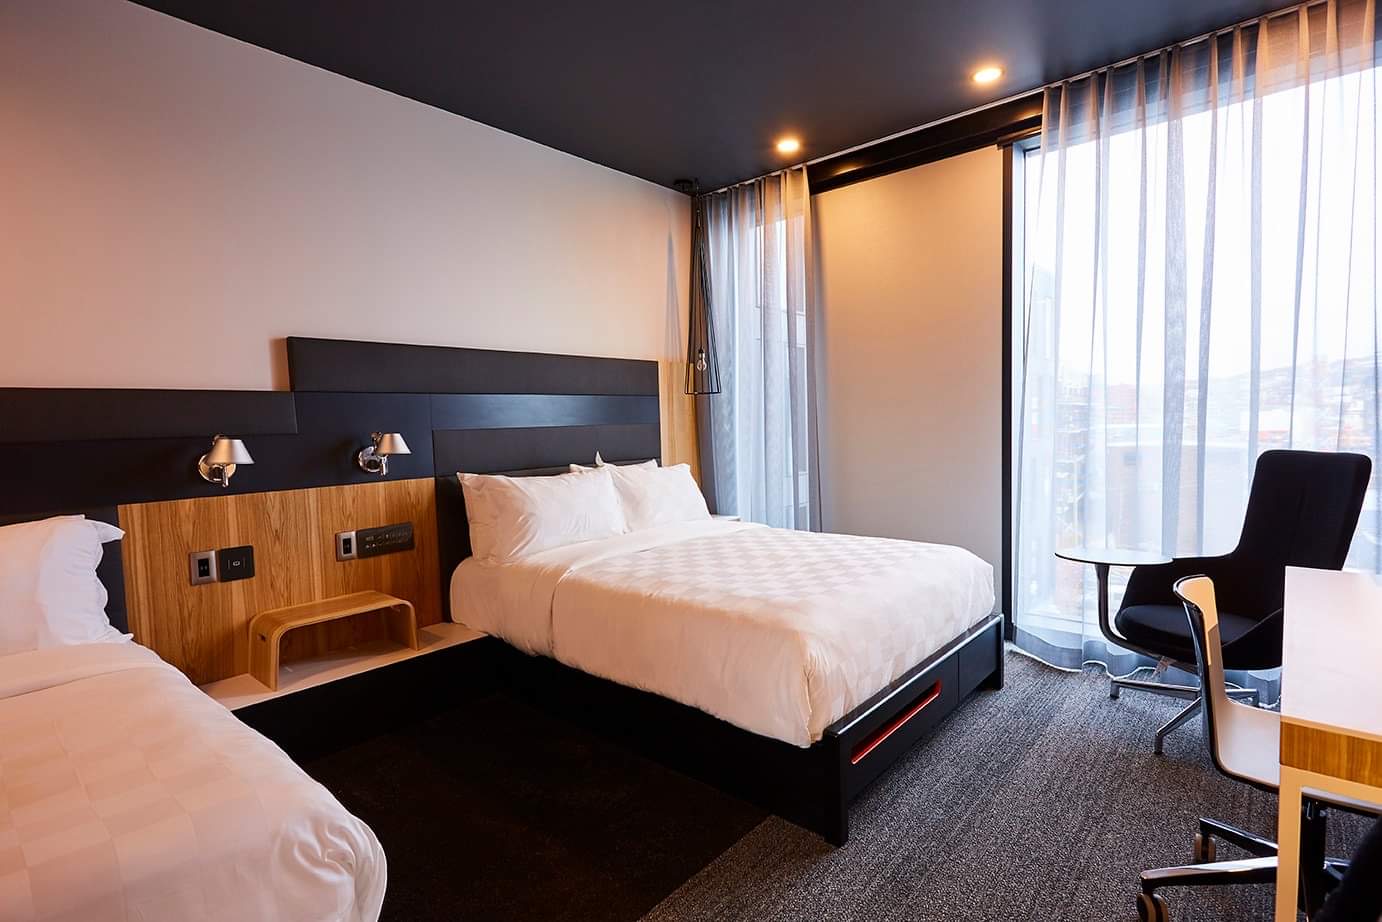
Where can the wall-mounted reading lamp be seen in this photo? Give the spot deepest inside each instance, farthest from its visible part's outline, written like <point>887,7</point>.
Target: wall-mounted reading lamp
<point>218,464</point>
<point>374,458</point>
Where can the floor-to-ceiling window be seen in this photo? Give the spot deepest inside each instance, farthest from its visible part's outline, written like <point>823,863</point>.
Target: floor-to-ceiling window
<point>1198,260</point>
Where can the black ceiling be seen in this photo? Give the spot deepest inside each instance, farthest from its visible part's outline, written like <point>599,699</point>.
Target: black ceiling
<point>665,91</point>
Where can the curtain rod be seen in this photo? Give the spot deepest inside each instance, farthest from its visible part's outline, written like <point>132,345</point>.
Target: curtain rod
<point>883,140</point>
<point>1226,30</point>
<point>1284,11</point>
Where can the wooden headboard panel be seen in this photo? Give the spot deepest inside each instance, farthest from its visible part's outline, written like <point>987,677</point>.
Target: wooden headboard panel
<point>203,630</point>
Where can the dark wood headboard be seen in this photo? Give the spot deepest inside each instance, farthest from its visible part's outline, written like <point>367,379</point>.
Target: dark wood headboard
<point>497,412</point>
<point>111,572</point>
<point>459,409</point>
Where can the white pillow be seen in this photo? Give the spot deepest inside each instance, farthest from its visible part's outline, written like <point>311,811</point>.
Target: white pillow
<point>652,495</point>
<point>511,517</point>
<point>49,593</point>
<point>600,462</point>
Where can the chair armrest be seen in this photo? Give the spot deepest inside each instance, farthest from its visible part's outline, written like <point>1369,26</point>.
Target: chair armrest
<point>1152,585</point>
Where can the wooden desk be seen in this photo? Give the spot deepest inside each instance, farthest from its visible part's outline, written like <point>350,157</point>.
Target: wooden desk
<point>1331,704</point>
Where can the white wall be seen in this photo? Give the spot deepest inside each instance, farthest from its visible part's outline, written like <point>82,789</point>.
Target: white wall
<point>912,282</point>
<point>174,202</point>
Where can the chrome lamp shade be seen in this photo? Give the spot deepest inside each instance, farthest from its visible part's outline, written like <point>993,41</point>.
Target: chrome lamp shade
<point>374,458</point>
<point>390,443</point>
<point>218,464</point>
<point>228,451</point>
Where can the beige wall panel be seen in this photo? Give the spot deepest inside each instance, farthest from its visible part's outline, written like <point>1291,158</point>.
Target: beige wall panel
<point>912,285</point>
<point>177,202</point>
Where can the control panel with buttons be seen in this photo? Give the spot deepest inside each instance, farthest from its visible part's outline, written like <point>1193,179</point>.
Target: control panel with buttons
<point>374,542</point>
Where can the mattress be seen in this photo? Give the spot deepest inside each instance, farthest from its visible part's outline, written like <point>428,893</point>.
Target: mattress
<point>128,794</point>
<point>778,632</point>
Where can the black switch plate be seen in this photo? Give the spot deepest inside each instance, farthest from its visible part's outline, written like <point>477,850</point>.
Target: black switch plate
<point>235,562</point>
<point>387,539</point>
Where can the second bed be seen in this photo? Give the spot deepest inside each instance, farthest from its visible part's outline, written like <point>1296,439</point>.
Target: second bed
<point>819,641</point>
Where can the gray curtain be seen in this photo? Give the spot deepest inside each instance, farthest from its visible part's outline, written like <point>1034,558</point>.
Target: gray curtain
<point>758,435</point>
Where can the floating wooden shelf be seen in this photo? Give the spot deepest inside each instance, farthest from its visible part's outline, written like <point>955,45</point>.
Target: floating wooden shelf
<point>268,627</point>
<point>244,690</point>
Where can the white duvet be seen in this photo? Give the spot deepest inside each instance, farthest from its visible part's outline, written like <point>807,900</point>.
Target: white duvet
<point>778,632</point>
<point>127,794</point>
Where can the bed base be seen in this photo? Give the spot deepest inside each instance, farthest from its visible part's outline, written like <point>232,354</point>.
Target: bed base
<point>811,787</point>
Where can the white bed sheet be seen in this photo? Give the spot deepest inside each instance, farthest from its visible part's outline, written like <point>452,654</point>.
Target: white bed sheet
<point>127,794</point>
<point>778,632</point>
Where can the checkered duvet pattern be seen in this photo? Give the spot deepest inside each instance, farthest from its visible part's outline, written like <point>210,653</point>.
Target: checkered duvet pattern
<point>780,632</point>
<point>127,794</point>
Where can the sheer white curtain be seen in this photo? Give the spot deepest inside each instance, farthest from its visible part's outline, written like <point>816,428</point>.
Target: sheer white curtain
<point>758,435</point>
<point>1201,257</point>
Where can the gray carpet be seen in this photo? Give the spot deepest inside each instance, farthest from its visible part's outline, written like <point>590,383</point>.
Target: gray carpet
<point>1042,801</point>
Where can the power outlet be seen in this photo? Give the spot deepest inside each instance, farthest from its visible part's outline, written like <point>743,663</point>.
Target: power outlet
<point>346,546</point>
<point>234,563</point>
<point>201,567</point>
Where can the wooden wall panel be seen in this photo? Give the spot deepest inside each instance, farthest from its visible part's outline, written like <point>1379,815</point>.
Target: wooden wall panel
<point>203,629</point>
<point>678,418</point>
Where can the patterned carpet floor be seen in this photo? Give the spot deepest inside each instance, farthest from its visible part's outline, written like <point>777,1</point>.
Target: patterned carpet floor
<point>1042,801</point>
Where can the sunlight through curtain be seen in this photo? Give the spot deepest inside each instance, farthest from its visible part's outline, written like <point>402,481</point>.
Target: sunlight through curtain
<point>1201,257</point>
<point>758,440</point>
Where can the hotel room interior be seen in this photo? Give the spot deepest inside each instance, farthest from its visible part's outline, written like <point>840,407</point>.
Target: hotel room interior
<point>621,460</point>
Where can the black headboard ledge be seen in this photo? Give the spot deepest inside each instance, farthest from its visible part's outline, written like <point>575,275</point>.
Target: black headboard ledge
<point>459,409</point>
<point>400,368</point>
<point>111,572</point>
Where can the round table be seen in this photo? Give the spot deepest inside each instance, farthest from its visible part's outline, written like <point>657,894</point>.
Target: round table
<point>1104,557</point>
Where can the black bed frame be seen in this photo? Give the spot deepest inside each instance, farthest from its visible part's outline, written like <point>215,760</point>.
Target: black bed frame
<point>812,787</point>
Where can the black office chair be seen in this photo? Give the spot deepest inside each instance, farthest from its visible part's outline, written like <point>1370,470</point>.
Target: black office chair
<point>1302,510</point>
<point>1245,743</point>
<point>1358,896</point>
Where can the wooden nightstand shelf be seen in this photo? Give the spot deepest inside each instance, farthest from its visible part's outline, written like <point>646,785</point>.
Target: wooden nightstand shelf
<point>268,627</point>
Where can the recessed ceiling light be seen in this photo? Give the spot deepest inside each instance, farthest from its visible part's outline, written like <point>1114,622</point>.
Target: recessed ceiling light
<point>788,146</point>
<point>987,74</point>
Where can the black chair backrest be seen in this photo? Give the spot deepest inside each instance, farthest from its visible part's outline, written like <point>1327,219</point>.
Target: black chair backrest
<point>1302,511</point>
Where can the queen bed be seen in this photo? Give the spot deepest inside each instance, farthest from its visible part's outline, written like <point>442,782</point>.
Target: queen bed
<point>126,792</point>
<point>778,632</point>
<point>822,657</point>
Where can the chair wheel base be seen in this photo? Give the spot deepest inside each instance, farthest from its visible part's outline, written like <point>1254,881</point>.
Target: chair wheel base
<point>1152,908</point>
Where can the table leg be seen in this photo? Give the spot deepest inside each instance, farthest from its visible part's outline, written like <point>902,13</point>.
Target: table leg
<point>1288,810</point>
<point>1101,574</point>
